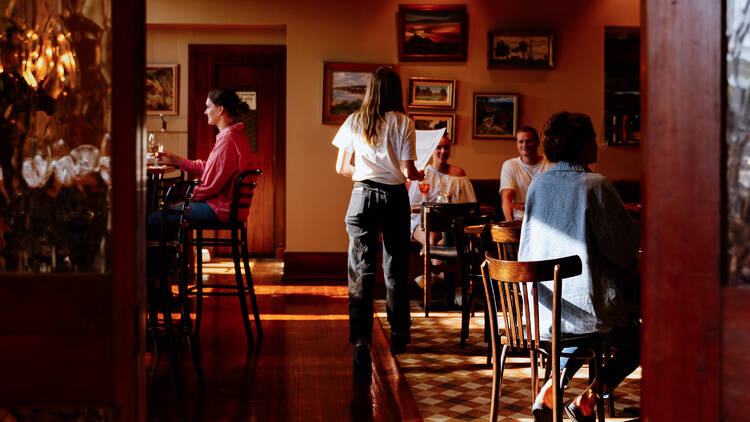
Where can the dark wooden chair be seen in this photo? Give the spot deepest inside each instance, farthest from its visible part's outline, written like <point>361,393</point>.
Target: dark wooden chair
<point>441,218</point>
<point>472,242</point>
<point>507,235</point>
<point>517,293</point>
<point>158,184</point>
<point>168,256</point>
<point>244,185</point>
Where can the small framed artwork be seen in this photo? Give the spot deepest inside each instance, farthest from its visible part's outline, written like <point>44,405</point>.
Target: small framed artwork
<point>432,121</point>
<point>432,32</point>
<point>527,50</point>
<point>433,93</point>
<point>495,115</point>
<point>162,89</point>
<point>344,86</point>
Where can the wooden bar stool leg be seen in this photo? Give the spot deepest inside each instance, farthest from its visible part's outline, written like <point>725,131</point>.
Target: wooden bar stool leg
<point>250,285</point>
<point>186,322</point>
<point>241,292</point>
<point>198,279</point>
<point>166,294</point>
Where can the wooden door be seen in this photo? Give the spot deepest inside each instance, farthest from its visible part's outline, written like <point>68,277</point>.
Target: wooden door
<point>248,69</point>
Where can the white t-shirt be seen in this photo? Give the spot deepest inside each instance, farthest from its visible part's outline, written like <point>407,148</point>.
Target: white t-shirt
<point>380,163</point>
<point>517,176</point>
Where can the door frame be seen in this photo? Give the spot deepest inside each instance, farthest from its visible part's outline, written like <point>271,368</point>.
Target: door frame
<point>275,56</point>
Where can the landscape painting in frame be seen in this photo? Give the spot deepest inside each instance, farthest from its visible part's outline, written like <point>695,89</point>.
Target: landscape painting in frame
<point>529,50</point>
<point>437,93</point>
<point>495,115</point>
<point>344,86</point>
<point>433,121</point>
<point>432,33</point>
<point>162,88</point>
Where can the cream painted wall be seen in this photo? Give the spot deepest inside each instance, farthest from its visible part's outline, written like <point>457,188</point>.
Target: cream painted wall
<point>365,31</point>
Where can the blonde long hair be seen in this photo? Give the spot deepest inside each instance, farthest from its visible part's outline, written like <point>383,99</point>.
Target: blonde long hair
<point>383,95</point>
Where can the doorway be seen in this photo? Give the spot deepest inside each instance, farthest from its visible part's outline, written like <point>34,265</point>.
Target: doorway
<point>258,74</point>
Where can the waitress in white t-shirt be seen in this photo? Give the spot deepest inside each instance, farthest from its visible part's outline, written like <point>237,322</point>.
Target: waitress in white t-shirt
<point>381,139</point>
<point>516,174</point>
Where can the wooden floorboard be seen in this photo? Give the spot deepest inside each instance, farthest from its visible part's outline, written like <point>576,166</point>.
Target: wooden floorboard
<point>300,372</point>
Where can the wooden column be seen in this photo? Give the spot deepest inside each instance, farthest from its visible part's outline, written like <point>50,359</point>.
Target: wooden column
<point>682,231</point>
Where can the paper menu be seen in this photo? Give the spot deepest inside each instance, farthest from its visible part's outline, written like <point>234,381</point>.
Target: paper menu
<point>427,141</point>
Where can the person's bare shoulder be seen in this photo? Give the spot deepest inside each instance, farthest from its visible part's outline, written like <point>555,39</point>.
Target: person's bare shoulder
<point>456,171</point>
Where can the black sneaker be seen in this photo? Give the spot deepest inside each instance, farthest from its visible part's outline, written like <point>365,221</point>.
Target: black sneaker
<point>398,343</point>
<point>362,359</point>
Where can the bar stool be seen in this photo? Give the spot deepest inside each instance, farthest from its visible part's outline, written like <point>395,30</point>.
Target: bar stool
<point>241,199</point>
<point>169,249</point>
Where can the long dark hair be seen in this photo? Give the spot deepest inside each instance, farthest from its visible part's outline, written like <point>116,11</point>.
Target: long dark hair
<point>230,101</point>
<point>383,95</point>
<point>565,135</point>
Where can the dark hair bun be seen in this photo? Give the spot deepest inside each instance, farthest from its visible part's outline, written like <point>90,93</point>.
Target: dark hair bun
<point>243,108</point>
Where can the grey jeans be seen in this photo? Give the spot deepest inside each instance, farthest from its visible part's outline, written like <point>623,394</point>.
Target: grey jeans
<point>378,209</point>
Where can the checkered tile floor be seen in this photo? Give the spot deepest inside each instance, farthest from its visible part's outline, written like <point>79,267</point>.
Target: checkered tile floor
<point>454,384</point>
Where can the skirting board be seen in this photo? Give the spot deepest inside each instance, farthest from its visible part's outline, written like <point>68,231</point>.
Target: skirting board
<point>330,266</point>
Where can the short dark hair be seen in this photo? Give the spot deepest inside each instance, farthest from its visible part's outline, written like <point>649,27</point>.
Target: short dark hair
<point>565,135</point>
<point>229,100</point>
<point>528,129</point>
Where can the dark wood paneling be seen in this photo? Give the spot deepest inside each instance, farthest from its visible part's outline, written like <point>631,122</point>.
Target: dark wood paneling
<point>735,338</point>
<point>54,303</point>
<point>329,266</point>
<point>681,74</point>
<point>48,369</point>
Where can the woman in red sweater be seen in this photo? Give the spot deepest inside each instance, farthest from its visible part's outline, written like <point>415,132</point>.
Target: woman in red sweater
<point>230,156</point>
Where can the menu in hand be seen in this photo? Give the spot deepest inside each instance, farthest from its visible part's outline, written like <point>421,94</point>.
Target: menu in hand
<point>427,141</point>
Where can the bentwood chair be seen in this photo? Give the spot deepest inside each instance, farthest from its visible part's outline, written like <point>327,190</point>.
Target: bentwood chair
<point>170,256</point>
<point>518,292</point>
<point>243,187</point>
<point>441,218</point>
<point>505,237</point>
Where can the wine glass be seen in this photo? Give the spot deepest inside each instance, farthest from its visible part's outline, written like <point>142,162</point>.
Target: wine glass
<point>424,184</point>
<point>154,144</point>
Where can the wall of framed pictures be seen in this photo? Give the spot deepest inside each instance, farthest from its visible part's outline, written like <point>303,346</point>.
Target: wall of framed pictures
<point>347,32</point>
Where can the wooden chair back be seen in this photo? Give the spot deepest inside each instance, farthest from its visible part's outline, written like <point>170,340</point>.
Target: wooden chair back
<point>243,190</point>
<point>507,236</point>
<point>521,311</point>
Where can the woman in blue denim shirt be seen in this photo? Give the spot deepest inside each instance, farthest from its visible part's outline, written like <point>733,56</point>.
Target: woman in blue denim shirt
<point>381,139</point>
<point>572,211</point>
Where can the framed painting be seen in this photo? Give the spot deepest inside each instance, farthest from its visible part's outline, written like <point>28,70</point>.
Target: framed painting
<point>526,50</point>
<point>432,32</point>
<point>344,86</point>
<point>495,115</point>
<point>432,121</point>
<point>162,89</point>
<point>433,93</point>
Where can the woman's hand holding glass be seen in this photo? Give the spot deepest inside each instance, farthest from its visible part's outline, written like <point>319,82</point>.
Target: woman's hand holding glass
<point>167,158</point>
<point>424,184</point>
